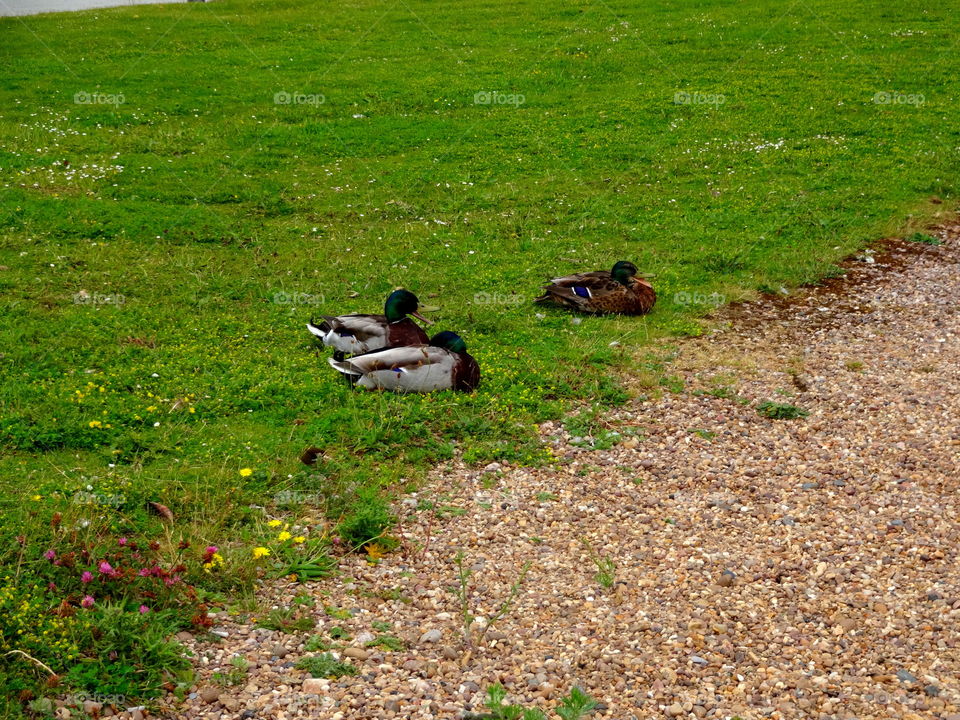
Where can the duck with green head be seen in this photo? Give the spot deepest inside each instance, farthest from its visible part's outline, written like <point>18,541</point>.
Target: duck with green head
<point>441,364</point>
<point>357,334</point>
<point>619,290</point>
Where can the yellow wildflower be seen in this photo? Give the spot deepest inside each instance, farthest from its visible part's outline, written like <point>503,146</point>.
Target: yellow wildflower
<point>259,552</point>
<point>375,552</point>
<point>246,472</point>
<point>215,561</point>
<point>299,539</point>
<point>284,536</point>
<point>274,523</point>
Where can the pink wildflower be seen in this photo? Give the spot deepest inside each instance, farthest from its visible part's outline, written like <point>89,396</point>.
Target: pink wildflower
<point>87,601</point>
<point>86,577</point>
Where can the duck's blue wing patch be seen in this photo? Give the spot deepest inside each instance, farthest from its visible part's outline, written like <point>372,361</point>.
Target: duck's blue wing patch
<point>581,291</point>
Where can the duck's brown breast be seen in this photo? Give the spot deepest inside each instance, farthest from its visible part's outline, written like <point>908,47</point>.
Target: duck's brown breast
<point>466,373</point>
<point>406,332</point>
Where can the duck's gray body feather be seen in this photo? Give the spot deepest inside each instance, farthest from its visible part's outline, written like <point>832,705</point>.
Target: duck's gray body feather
<point>417,368</point>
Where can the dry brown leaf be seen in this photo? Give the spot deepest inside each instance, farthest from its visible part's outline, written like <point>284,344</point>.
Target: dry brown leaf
<point>310,455</point>
<point>161,510</point>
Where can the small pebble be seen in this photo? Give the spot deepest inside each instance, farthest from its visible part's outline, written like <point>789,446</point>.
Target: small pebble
<point>906,676</point>
<point>356,653</point>
<point>726,578</point>
<point>431,636</point>
<point>315,685</point>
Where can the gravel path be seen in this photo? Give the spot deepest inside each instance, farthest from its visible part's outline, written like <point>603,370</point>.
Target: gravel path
<point>800,568</point>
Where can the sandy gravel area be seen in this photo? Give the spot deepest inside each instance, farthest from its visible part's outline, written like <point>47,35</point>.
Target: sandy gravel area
<point>765,568</point>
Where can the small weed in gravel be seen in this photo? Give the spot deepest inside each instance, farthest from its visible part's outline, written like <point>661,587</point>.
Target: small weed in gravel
<point>392,594</point>
<point>590,430</point>
<point>315,643</point>
<point>390,642</point>
<point>606,567</point>
<point>286,620</point>
<point>369,518</point>
<point>719,390</point>
<point>326,666</point>
<point>463,593</point>
<point>781,411</point>
<point>338,613</point>
<point>672,383</point>
<point>235,675</point>
<point>924,238</point>
<point>577,704</point>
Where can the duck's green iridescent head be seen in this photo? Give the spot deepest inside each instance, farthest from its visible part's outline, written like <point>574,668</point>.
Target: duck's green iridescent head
<point>449,340</point>
<point>623,271</point>
<point>401,303</point>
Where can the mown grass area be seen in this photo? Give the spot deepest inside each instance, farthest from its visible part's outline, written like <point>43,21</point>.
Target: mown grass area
<point>185,185</point>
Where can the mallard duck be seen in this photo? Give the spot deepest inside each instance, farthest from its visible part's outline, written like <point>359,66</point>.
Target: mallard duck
<point>357,334</point>
<point>605,291</point>
<point>443,364</point>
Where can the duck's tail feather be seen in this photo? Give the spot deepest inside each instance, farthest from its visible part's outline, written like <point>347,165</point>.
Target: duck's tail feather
<point>344,366</point>
<point>557,295</point>
<point>319,329</point>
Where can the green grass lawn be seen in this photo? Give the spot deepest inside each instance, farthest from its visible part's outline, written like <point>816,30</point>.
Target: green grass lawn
<point>183,186</point>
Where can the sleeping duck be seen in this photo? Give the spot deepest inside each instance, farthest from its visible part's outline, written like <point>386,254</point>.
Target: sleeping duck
<point>604,291</point>
<point>442,364</point>
<point>357,334</point>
